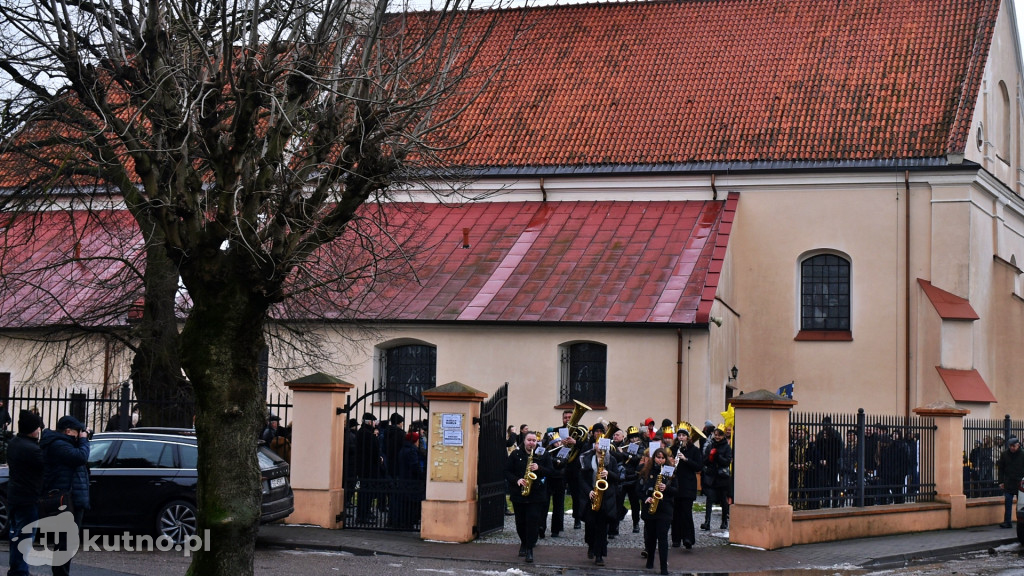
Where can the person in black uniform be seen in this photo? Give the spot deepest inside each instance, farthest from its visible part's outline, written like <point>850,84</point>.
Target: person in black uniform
<point>598,463</point>
<point>655,477</point>
<point>688,464</point>
<point>555,484</point>
<point>530,508</point>
<point>717,476</point>
<point>630,488</point>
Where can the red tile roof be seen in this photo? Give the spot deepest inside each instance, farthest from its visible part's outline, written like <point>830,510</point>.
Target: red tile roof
<point>577,262</point>
<point>63,268</point>
<point>966,385</point>
<point>649,83</point>
<point>948,305</point>
<point>621,262</point>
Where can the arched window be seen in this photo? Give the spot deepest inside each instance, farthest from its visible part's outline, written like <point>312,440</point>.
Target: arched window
<point>825,293</point>
<point>407,369</point>
<point>583,373</point>
<point>1004,123</point>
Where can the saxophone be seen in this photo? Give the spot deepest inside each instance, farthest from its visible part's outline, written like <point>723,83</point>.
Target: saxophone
<point>657,495</point>
<point>529,476</point>
<point>600,485</point>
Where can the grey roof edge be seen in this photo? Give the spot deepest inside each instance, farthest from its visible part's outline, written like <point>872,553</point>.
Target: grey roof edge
<point>708,167</point>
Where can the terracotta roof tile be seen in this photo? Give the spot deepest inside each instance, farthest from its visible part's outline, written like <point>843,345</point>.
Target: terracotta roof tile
<point>731,80</point>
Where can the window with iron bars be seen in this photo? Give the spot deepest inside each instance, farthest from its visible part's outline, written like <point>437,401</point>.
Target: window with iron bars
<point>825,293</point>
<point>583,367</point>
<point>410,369</point>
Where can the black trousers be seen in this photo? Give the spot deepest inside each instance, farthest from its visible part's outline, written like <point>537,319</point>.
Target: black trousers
<point>529,519</point>
<point>556,490</point>
<point>596,532</point>
<point>682,521</point>
<point>656,535</point>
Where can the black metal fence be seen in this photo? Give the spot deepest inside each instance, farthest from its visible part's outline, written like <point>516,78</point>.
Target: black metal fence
<point>118,409</point>
<point>839,460</point>
<point>984,443</point>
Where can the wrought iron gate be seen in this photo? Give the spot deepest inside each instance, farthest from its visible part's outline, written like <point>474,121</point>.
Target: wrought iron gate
<point>491,463</point>
<point>384,488</point>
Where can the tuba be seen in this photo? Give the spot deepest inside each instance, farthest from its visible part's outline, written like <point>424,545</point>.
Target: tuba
<point>530,476</point>
<point>577,432</point>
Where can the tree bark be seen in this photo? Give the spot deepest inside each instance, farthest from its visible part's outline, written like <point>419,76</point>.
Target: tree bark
<point>220,347</point>
<point>164,395</point>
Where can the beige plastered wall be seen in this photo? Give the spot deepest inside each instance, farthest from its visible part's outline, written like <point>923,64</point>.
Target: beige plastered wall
<point>641,368</point>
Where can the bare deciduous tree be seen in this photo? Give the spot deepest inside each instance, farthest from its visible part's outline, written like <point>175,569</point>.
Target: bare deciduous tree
<point>245,138</point>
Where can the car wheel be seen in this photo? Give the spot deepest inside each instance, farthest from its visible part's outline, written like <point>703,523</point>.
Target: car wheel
<point>177,520</point>
<point>5,518</point>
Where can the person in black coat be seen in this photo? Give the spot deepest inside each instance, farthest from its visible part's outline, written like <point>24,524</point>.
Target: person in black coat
<point>530,509</point>
<point>689,462</point>
<point>716,476</point>
<point>599,464</point>
<point>656,524</point>
<point>25,485</point>
<point>406,503</point>
<point>65,459</point>
<point>368,464</point>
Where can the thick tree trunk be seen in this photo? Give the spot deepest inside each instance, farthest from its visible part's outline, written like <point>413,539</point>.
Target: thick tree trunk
<point>221,342</point>
<point>164,395</point>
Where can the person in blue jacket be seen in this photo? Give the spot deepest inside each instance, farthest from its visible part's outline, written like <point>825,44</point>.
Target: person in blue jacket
<point>65,459</point>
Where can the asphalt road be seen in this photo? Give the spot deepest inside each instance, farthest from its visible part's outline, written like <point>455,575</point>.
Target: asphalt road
<point>1005,561</point>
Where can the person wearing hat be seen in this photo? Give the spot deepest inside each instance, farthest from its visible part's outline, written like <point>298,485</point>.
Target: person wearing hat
<point>25,485</point>
<point>394,437</point>
<point>406,502</point>
<point>555,483</point>
<point>1011,471</point>
<point>597,464</point>
<point>689,461</point>
<point>65,460</point>
<point>270,431</point>
<point>368,466</point>
<point>717,476</point>
<point>630,452</point>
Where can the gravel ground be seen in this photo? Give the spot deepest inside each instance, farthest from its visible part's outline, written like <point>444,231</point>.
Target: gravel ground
<point>625,539</point>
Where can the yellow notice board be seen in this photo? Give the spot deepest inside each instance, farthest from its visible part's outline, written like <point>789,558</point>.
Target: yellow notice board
<point>447,450</point>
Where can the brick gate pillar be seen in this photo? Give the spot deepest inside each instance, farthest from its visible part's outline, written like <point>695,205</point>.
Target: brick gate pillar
<point>318,447</point>
<point>450,509</point>
<point>949,446</point>
<point>761,515</point>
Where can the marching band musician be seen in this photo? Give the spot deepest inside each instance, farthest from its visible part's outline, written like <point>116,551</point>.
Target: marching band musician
<point>668,442</point>
<point>659,486</point>
<point>630,453</point>
<point>689,461</point>
<point>530,509</point>
<point>571,471</point>
<point>555,483</point>
<point>597,464</point>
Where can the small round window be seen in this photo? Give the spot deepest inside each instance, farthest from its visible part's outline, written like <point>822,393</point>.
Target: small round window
<point>981,137</point>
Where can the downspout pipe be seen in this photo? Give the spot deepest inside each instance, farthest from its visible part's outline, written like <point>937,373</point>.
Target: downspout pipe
<point>907,285</point>
<point>679,375</point>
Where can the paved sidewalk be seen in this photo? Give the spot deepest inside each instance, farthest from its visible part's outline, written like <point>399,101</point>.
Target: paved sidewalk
<point>881,552</point>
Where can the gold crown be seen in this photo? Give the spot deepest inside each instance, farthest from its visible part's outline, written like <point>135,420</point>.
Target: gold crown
<point>632,430</point>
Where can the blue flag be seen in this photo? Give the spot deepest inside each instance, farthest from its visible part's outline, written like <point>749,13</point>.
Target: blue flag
<point>787,390</point>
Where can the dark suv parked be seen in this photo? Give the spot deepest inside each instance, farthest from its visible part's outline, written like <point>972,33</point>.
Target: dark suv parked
<point>145,480</point>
